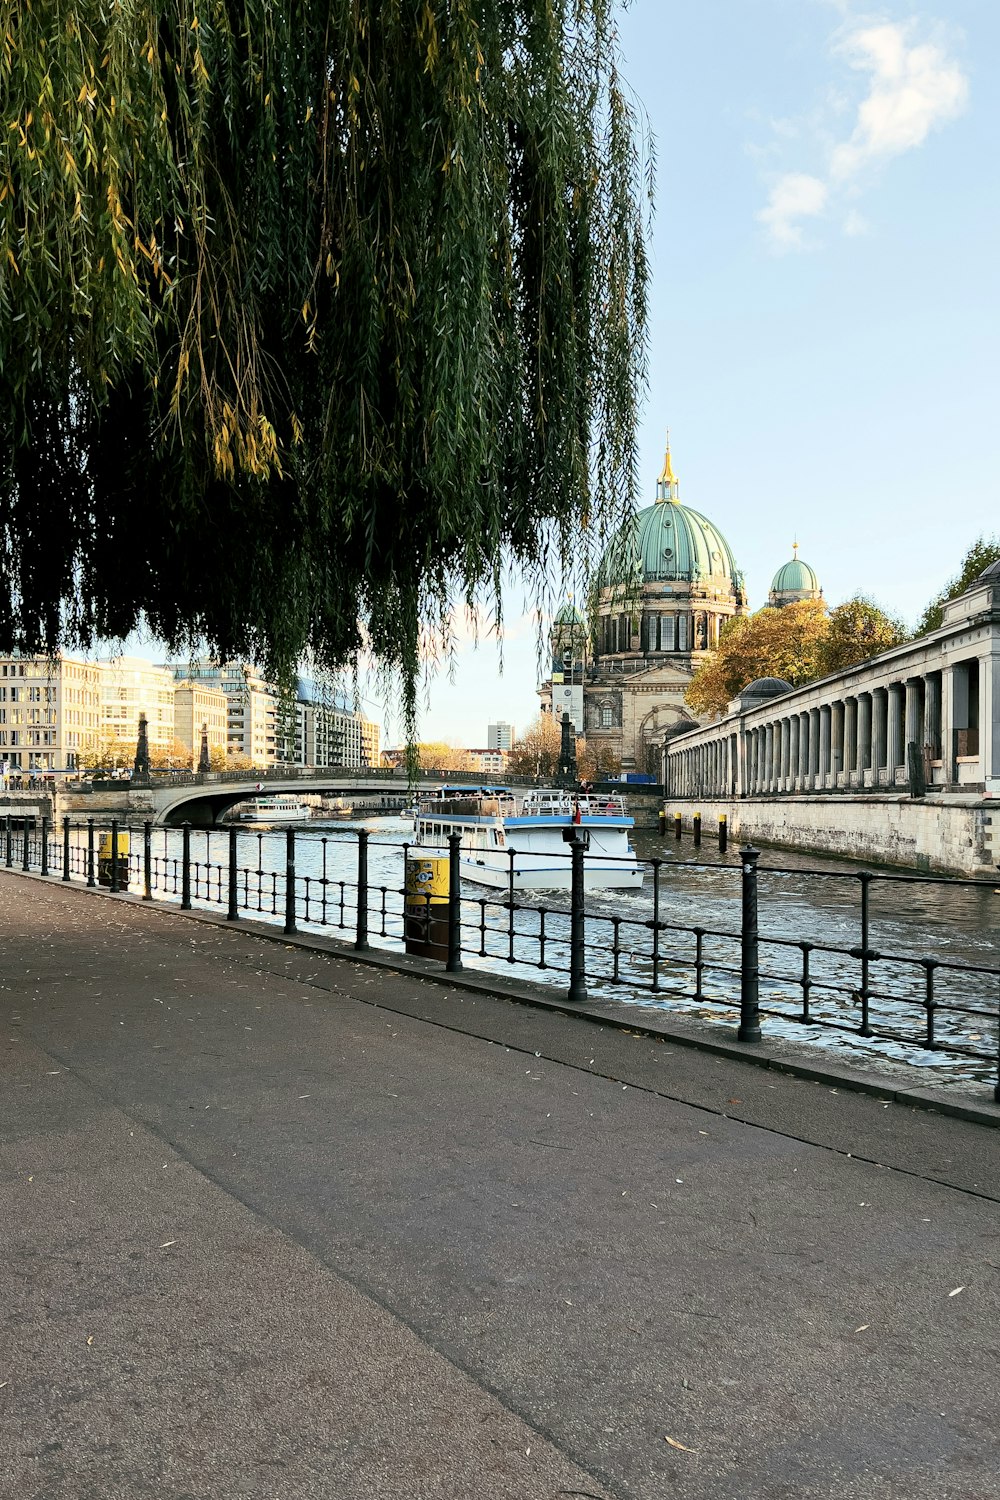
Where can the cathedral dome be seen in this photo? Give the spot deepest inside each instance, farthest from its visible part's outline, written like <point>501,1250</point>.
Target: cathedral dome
<point>670,543</point>
<point>569,615</point>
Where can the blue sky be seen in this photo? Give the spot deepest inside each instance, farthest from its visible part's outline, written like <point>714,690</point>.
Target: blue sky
<point>824,313</point>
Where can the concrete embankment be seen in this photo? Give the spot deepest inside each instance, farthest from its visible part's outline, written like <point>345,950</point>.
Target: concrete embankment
<point>954,836</point>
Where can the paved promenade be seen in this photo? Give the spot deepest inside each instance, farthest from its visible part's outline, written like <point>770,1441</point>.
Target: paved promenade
<point>281,1226</point>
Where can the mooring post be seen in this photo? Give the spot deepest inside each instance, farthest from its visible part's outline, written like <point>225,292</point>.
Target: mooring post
<point>454,963</point>
<point>749,1030</point>
<point>723,833</point>
<point>678,825</point>
<point>696,828</point>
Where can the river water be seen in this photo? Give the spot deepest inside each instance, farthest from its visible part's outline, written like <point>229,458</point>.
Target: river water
<point>803,899</point>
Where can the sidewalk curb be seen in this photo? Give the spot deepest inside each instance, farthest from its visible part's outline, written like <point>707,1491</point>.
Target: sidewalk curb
<point>632,1019</point>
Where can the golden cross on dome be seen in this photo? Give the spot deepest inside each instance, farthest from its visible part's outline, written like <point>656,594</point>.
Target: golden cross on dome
<point>666,485</point>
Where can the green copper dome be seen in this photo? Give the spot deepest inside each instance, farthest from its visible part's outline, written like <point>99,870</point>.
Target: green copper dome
<point>569,615</point>
<point>795,577</point>
<point>669,543</point>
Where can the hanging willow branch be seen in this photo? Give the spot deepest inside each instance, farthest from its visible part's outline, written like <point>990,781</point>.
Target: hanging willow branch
<point>312,314</point>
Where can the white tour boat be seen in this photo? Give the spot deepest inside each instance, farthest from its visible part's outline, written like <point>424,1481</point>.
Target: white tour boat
<point>276,809</point>
<point>505,835</point>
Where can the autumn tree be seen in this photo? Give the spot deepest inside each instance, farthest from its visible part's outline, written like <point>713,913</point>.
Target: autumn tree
<point>979,556</point>
<point>856,630</point>
<point>798,643</point>
<point>314,316</point>
<point>771,643</point>
<point>536,751</point>
<point>596,761</point>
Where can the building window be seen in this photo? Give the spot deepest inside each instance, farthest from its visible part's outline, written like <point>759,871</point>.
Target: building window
<point>607,718</point>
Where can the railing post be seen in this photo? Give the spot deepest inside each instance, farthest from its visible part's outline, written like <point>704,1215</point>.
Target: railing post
<point>361,940</point>
<point>290,927</point>
<point>454,964</point>
<point>147,861</point>
<point>749,969</point>
<point>25,849</point>
<point>655,924</point>
<point>45,846</point>
<point>866,954</point>
<point>90,852</point>
<point>577,969</point>
<point>10,842</point>
<point>114,855</point>
<point>232,915</point>
<point>66,851</point>
<point>186,867</point>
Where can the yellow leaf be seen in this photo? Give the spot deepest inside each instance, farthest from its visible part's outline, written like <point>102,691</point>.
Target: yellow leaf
<point>675,1444</point>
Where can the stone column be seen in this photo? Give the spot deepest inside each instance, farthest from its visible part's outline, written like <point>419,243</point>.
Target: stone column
<point>836,742</point>
<point>814,747</point>
<point>803,749</point>
<point>864,735</point>
<point>932,716</point>
<point>989,721</point>
<point>895,757</point>
<point>793,751</point>
<point>878,734</point>
<point>914,727</point>
<point>825,743</point>
<point>850,739</point>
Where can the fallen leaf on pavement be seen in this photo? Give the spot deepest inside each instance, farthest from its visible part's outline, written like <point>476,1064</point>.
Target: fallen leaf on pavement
<point>675,1444</point>
<point>956,1291</point>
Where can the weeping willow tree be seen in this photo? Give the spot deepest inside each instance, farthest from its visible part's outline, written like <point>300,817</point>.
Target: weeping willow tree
<point>314,316</point>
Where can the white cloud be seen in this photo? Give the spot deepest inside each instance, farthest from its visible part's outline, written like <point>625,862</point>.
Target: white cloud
<point>793,197</point>
<point>914,87</point>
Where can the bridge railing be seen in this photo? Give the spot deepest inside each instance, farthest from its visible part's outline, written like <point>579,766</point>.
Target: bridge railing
<point>744,968</point>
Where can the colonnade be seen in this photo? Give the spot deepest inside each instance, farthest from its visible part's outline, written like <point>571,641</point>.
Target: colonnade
<point>925,723</point>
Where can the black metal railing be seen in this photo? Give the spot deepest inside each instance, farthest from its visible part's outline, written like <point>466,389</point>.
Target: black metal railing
<point>758,976</point>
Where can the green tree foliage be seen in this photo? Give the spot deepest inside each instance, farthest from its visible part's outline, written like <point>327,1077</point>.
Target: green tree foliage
<point>313,316</point>
<point>979,556</point>
<point>856,630</point>
<point>799,643</point>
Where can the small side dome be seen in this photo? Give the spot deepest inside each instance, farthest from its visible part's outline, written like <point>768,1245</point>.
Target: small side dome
<point>794,580</point>
<point>761,690</point>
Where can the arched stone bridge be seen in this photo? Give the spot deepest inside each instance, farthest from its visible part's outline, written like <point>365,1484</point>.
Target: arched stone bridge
<point>202,798</point>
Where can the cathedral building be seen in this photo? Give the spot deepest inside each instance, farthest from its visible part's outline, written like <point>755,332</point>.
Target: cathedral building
<point>665,587</point>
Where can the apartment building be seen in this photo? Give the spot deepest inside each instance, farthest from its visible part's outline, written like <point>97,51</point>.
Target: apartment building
<point>252,706</point>
<point>50,712</point>
<point>131,686</point>
<point>198,704</point>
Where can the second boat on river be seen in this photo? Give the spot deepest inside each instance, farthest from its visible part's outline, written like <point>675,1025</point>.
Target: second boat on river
<point>504,836</point>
